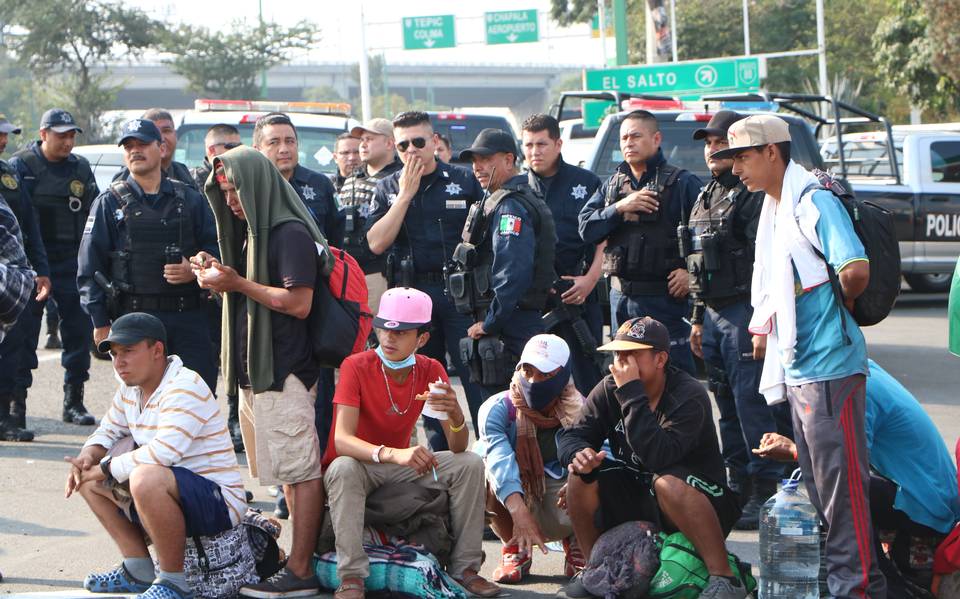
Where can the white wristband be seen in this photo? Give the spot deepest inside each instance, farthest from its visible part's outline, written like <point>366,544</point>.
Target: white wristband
<point>376,454</point>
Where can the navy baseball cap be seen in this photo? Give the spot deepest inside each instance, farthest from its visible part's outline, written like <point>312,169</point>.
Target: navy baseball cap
<point>59,120</point>
<point>490,141</point>
<point>141,129</point>
<point>8,127</point>
<point>719,124</point>
<point>133,328</point>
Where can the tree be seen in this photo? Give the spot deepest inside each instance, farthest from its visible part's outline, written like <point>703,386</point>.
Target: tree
<point>66,44</point>
<point>221,64</point>
<point>945,39</point>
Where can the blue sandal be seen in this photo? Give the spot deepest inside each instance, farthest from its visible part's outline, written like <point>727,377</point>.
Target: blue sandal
<point>162,589</point>
<point>118,580</point>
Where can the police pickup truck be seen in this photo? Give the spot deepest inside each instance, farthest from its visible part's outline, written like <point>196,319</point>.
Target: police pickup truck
<point>921,187</point>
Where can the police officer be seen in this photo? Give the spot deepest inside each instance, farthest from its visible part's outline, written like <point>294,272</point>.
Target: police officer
<point>722,231</point>
<point>573,308</point>
<point>416,219</point>
<point>135,244</point>
<point>219,139</point>
<point>379,155</point>
<point>346,154</point>
<point>171,168</point>
<point>62,188</point>
<point>637,211</point>
<point>513,236</point>
<point>17,357</point>
<point>275,137</point>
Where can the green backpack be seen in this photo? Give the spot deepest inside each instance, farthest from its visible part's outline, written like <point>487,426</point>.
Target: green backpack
<point>683,575</point>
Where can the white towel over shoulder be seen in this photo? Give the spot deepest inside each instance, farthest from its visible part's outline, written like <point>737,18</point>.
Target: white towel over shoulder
<point>785,234</point>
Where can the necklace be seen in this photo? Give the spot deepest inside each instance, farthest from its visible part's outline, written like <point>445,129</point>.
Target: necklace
<point>413,386</point>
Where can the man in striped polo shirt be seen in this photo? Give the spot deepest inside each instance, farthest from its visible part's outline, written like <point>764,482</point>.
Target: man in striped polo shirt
<point>181,471</point>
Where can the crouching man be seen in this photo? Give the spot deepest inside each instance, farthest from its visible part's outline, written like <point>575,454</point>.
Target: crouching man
<point>182,475</point>
<point>379,399</point>
<point>669,468</point>
<point>518,431</point>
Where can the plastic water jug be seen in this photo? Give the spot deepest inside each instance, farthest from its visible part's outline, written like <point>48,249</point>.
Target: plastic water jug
<point>789,545</point>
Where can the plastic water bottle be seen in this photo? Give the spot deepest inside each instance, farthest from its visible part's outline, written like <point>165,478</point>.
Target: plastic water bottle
<point>789,545</point>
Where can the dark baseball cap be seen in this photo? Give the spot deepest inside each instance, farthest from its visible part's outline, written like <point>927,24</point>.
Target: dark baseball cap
<point>718,125</point>
<point>490,141</point>
<point>141,129</point>
<point>8,127</point>
<point>639,333</point>
<point>59,120</point>
<point>133,328</point>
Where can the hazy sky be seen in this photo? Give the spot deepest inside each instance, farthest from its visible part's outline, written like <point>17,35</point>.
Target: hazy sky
<point>340,25</point>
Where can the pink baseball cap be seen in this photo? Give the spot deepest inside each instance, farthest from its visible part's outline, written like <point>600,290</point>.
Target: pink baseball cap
<point>545,352</point>
<point>403,308</point>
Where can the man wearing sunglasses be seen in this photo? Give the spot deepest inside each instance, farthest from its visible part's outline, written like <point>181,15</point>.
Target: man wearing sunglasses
<point>218,140</point>
<point>416,219</point>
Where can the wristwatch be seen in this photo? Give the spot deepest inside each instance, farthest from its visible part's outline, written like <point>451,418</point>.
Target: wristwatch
<point>105,467</point>
<point>376,454</point>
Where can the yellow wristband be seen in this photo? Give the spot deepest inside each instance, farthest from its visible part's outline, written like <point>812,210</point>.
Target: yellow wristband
<point>457,429</point>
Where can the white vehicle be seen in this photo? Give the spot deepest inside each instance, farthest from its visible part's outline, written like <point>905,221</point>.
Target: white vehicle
<point>106,160</point>
<point>577,141</point>
<point>318,124</point>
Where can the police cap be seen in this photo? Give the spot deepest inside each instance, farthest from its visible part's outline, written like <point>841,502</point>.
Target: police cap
<point>718,125</point>
<point>490,141</point>
<point>141,129</point>
<point>8,127</point>
<point>59,120</point>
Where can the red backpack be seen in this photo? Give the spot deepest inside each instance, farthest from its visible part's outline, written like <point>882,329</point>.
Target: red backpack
<point>947,557</point>
<point>340,320</point>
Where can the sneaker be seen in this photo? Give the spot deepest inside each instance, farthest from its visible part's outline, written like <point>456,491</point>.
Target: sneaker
<point>162,589</point>
<point>575,589</point>
<point>513,565</point>
<point>118,580</point>
<point>281,510</point>
<point>573,560</point>
<point>721,587</point>
<point>283,584</point>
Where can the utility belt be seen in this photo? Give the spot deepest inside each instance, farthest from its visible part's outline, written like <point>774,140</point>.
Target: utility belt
<point>639,258</point>
<point>488,359</point>
<point>131,302</point>
<point>428,278</point>
<point>719,303</point>
<point>639,287</point>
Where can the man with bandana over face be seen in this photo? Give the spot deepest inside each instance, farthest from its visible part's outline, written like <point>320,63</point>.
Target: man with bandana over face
<point>518,430</point>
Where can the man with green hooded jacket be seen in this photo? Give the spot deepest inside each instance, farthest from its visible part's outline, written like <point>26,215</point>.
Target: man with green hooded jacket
<point>269,246</point>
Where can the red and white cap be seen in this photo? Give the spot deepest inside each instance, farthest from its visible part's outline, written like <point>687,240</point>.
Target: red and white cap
<point>546,353</point>
<point>403,308</point>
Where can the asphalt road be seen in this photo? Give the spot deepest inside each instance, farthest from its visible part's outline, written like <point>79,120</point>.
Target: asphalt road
<point>48,544</point>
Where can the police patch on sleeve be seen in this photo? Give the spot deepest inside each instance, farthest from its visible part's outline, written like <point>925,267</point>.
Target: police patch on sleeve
<point>89,225</point>
<point>510,224</point>
<point>9,181</point>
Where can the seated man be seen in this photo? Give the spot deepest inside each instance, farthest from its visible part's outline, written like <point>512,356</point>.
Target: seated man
<point>518,431</point>
<point>377,404</point>
<point>913,483</point>
<point>668,467</point>
<point>182,476</point>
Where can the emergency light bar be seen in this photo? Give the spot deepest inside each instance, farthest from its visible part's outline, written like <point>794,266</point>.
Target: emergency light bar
<point>331,108</point>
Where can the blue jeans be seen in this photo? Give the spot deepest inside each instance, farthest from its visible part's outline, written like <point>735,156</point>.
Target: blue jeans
<point>668,310</point>
<point>735,381</point>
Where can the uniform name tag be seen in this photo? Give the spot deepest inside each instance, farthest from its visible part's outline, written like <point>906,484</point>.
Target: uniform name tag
<point>456,204</point>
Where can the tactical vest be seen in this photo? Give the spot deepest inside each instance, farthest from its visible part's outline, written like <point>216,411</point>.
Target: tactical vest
<point>149,231</point>
<point>59,200</point>
<point>471,284</point>
<point>720,265</point>
<point>642,253</point>
<point>10,190</point>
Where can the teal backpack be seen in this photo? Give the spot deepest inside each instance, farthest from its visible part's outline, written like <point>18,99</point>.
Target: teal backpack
<point>683,575</point>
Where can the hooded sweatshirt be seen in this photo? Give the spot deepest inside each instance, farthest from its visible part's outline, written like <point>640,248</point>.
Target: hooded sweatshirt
<point>268,200</point>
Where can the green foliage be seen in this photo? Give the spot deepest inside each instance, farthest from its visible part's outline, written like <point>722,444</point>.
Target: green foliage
<point>945,36</point>
<point>568,12</point>
<point>66,44</point>
<point>228,64</point>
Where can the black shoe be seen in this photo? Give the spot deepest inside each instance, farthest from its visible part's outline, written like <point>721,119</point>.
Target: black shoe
<point>763,489</point>
<point>281,510</point>
<point>73,409</point>
<point>18,408</point>
<point>574,589</point>
<point>53,341</point>
<point>249,496</point>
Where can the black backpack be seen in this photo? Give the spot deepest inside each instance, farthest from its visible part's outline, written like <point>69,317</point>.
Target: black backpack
<point>874,226</point>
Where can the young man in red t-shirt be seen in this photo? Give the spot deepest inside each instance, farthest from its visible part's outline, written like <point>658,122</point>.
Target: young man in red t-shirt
<point>379,398</point>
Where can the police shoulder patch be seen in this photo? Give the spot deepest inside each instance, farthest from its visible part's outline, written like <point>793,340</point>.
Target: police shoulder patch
<point>510,224</point>
<point>9,181</point>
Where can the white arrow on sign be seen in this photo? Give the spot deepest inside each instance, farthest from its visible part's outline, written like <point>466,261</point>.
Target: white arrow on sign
<point>429,43</point>
<point>512,37</point>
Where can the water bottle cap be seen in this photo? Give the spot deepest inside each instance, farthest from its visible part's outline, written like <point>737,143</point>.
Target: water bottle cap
<point>790,484</point>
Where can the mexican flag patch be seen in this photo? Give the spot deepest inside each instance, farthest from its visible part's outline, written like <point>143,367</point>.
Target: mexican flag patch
<point>510,224</point>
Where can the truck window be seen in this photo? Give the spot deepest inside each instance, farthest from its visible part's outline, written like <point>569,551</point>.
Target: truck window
<point>462,131</point>
<point>945,161</point>
<point>864,158</point>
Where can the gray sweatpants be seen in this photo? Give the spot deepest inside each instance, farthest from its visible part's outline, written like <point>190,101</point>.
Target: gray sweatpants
<point>828,421</point>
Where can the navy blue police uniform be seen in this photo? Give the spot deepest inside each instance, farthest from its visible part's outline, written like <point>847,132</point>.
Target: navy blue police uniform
<point>640,255</point>
<point>177,171</point>
<point>320,197</point>
<point>61,194</point>
<point>566,193</point>
<point>431,230</point>
<point>125,246</point>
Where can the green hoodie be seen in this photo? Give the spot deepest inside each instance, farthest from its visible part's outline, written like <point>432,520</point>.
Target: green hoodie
<point>268,200</point>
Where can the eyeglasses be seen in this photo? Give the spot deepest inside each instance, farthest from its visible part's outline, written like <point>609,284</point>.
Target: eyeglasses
<point>231,145</point>
<point>418,143</point>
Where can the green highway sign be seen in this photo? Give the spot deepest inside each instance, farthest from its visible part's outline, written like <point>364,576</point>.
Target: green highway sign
<point>424,33</point>
<point>680,78</point>
<point>512,27</point>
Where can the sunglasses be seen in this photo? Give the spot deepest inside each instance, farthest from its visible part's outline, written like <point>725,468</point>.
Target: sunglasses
<point>231,145</point>
<point>418,143</point>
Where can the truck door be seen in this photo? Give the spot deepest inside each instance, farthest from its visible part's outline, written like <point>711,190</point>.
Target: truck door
<point>938,224</point>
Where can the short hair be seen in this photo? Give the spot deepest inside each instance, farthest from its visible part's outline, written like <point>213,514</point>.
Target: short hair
<point>223,129</point>
<point>152,342</point>
<point>644,116</point>
<point>542,122</point>
<point>445,140</point>
<point>411,118</point>
<point>343,137</point>
<point>783,149</point>
<point>157,114</point>
<point>271,118</point>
